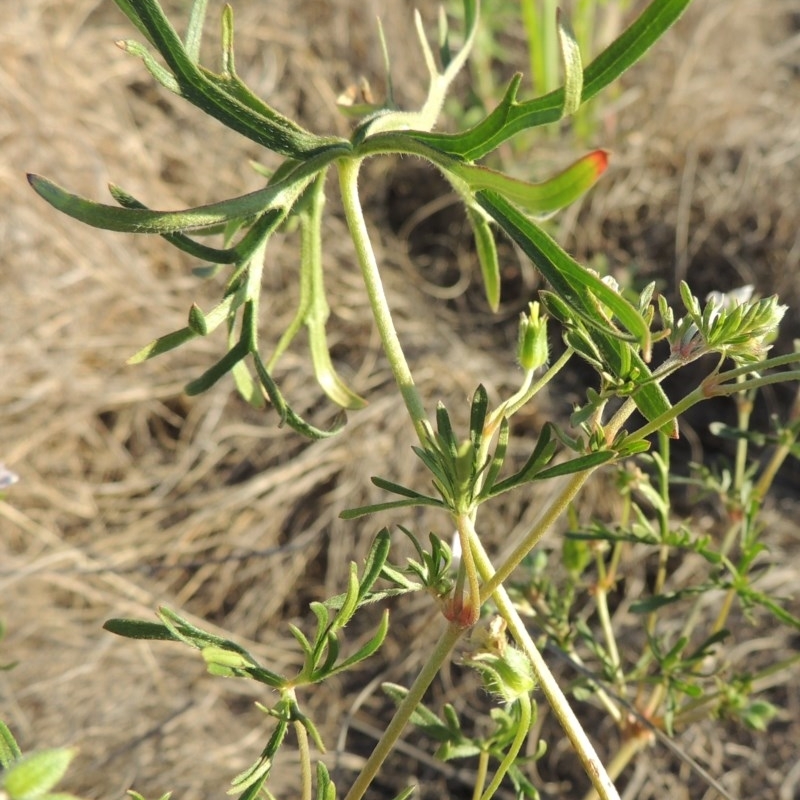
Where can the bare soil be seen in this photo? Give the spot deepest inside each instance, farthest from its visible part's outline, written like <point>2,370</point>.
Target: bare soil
<point>132,495</point>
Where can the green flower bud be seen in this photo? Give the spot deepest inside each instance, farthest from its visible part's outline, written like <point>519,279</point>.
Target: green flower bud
<point>532,349</point>
<point>507,674</point>
<point>506,671</point>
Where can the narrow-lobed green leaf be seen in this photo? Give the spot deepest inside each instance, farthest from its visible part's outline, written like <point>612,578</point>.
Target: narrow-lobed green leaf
<point>194,31</point>
<point>286,412</point>
<point>396,488</point>
<point>257,773</point>
<point>326,375</point>
<point>314,299</point>
<point>579,464</point>
<point>326,667</point>
<point>157,70</point>
<point>538,198</point>
<point>477,416</point>
<point>9,749</point>
<point>163,345</point>
<point>511,117</point>
<point>650,604</point>
<point>190,634</point>
<point>573,69</point>
<point>580,288</point>
<point>301,638</point>
<point>541,455</point>
<point>444,430</point>
<point>126,7</point>
<point>139,629</point>
<point>349,604</point>
<point>486,248</point>
<point>142,220</point>
<point>367,650</point>
<point>266,127</point>
<point>375,561</point>
<point>326,790</point>
<point>247,387</point>
<point>32,776</point>
<point>362,511</point>
<point>499,456</point>
<point>180,240</point>
<point>218,371</point>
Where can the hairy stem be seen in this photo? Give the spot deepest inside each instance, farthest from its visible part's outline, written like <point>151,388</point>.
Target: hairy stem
<point>348,181</point>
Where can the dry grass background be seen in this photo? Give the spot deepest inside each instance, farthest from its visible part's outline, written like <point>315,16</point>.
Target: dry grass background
<point>132,495</point>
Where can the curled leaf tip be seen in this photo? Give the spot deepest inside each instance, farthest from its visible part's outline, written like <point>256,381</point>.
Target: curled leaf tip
<point>600,159</point>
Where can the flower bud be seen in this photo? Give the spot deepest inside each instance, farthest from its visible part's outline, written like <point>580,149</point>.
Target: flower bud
<point>532,349</point>
<point>506,671</point>
<point>508,675</point>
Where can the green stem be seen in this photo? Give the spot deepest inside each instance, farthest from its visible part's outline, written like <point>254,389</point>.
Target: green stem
<point>662,465</point>
<point>348,181</point>
<point>528,390</point>
<point>601,598</point>
<point>532,538</point>
<point>744,407</point>
<point>466,533</point>
<point>404,711</point>
<point>781,453</point>
<point>554,510</point>
<point>305,759</point>
<point>523,726</point>
<point>545,679</point>
<point>480,776</point>
<point>717,387</point>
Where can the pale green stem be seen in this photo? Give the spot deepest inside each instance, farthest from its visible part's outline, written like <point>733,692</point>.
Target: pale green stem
<point>605,700</point>
<point>527,391</point>
<point>663,525</point>
<point>744,407</point>
<point>466,533</point>
<point>601,598</point>
<point>348,180</point>
<point>545,679</point>
<point>535,35</point>
<point>779,456</point>
<point>771,470</point>
<point>404,711</point>
<point>480,775</point>
<point>305,759</point>
<point>523,727</point>
<point>623,757</point>
<point>532,538</point>
<point>556,508</point>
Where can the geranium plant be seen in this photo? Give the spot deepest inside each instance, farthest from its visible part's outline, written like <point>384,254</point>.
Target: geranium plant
<point>615,332</point>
